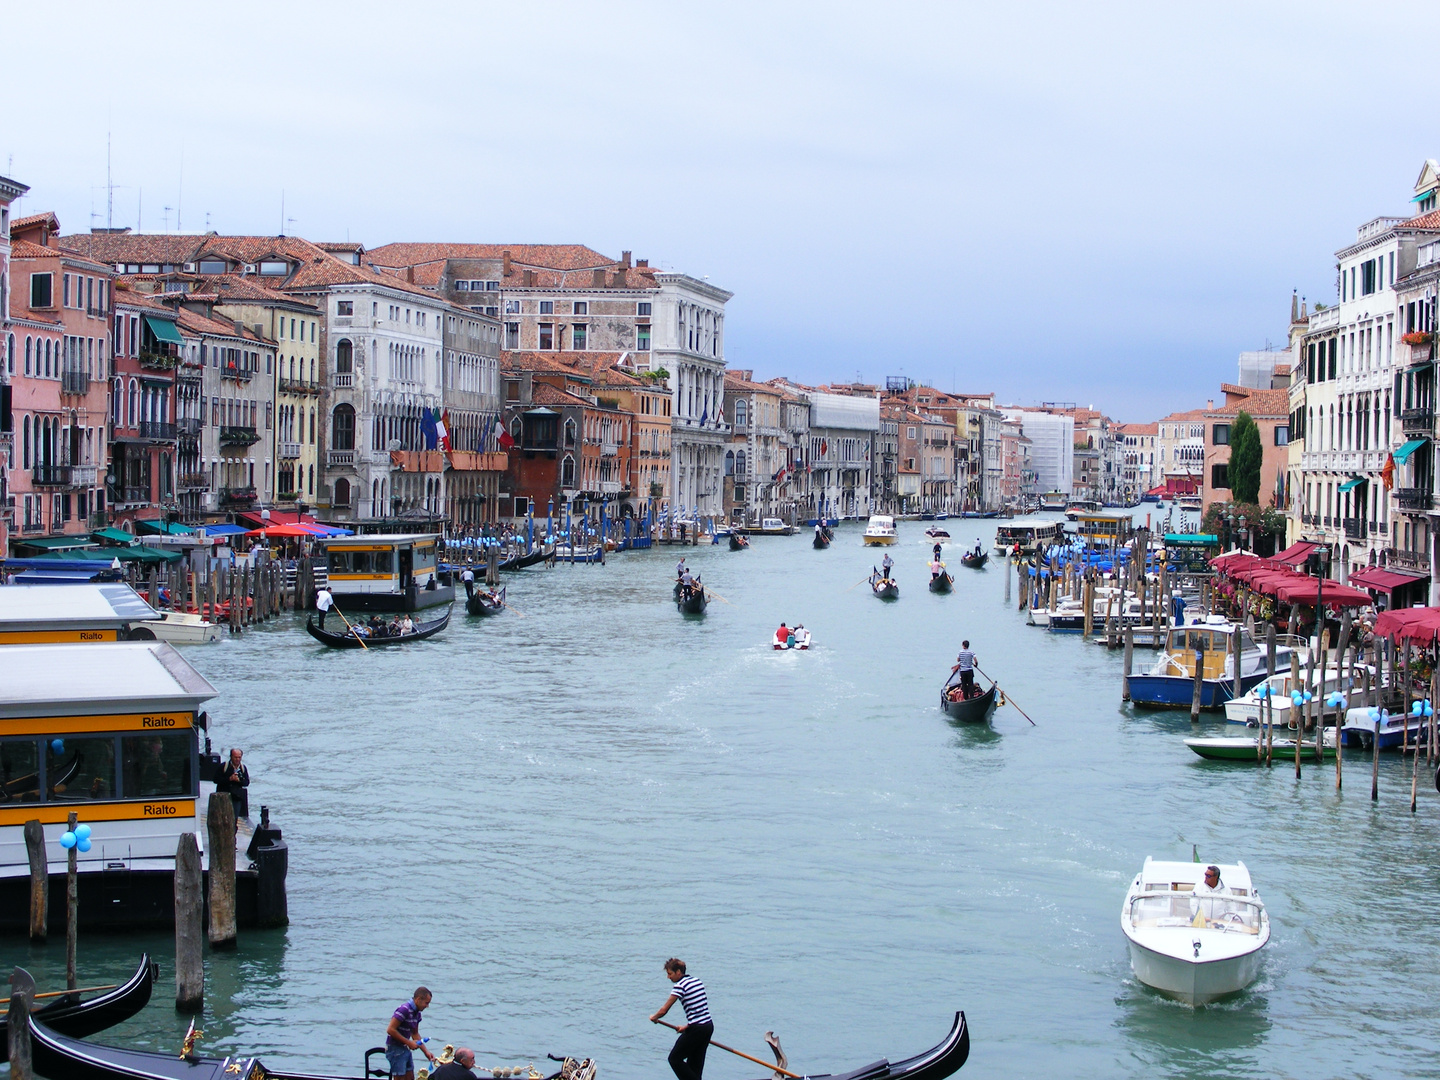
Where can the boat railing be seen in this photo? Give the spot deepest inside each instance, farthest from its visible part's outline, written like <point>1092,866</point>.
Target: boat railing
<point>1212,911</point>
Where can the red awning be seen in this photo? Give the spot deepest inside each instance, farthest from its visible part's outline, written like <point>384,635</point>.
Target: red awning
<point>1413,624</point>
<point>1296,553</point>
<point>1387,581</point>
<point>1306,590</point>
<point>277,517</point>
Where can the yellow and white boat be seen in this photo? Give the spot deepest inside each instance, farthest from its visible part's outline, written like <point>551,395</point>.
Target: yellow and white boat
<point>879,531</point>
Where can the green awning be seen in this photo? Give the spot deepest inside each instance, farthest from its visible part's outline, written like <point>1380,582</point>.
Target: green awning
<point>113,536</point>
<point>1351,484</point>
<point>1423,195</point>
<point>1403,454</point>
<point>164,330</point>
<point>56,543</point>
<point>156,527</point>
<point>139,553</point>
<point>1191,539</point>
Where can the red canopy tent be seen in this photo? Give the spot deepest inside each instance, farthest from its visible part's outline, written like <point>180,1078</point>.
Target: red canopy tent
<point>1382,580</point>
<point>1296,553</point>
<point>273,531</point>
<point>1307,590</point>
<point>1409,624</point>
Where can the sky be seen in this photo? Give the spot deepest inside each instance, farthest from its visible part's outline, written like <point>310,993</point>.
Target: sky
<point>1101,204</point>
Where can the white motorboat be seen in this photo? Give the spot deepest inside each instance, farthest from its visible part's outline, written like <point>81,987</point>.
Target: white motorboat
<point>179,628</point>
<point>1192,945</point>
<point>1246,708</point>
<point>879,530</point>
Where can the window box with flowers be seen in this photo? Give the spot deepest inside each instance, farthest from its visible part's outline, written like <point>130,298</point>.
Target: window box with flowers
<point>1417,337</point>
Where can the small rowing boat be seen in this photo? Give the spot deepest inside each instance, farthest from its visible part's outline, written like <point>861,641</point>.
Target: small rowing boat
<point>71,1016</point>
<point>1248,748</point>
<point>350,639</point>
<point>484,602</point>
<point>974,562</point>
<point>978,708</point>
<point>884,588</point>
<point>942,582</point>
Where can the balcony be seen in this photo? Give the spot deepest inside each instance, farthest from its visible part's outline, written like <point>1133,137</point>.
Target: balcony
<point>1413,499</point>
<point>239,374</point>
<point>52,476</point>
<point>1417,421</point>
<point>1355,528</point>
<point>289,451</point>
<point>344,380</point>
<point>190,375</point>
<point>340,457</point>
<point>194,481</point>
<point>128,495</point>
<point>189,425</point>
<point>158,361</point>
<point>237,438</point>
<point>1408,560</point>
<point>83,475</point>
<point>234,496</point>
<point>157,430</point>
<point>608,449</point>
<point>74,382</point>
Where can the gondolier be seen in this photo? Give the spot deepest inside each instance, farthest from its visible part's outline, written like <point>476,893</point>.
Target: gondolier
<point>467,578</point>
<point>885,564</point>
<point>324,601</point>
<point>965,665</point>
<point>687,1056</point>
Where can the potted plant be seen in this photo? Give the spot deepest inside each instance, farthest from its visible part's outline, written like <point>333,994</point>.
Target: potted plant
<point>1417,337</point>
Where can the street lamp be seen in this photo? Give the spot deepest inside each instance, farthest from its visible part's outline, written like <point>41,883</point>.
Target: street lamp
<point>1317,564</point>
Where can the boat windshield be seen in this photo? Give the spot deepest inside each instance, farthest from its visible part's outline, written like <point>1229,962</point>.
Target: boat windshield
<point>1209,911</point>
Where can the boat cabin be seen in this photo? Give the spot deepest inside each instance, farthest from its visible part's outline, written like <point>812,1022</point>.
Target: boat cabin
<point>1215,639</point>
<point>385,573</point>
<point>82,613</point>
<point>1104,532</point>
<point>1031,537</point>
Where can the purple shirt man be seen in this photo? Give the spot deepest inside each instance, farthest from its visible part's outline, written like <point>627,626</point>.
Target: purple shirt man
<point>402,1035</point>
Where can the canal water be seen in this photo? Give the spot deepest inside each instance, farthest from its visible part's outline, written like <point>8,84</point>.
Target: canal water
<point>530,814</point>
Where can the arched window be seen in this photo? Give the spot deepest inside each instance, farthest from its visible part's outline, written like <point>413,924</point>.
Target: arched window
<point>570,434</point>
<point>342,428</point>
<point>342,492</point>
<point>10,355</point>
<point>130,415</point>
<point>730,460</point>
<point>740,410</point>
<point>312,427</point>
<point>310,482</point>
<point>344,355</point>
<point>47,359</point>
<point>27,354</point>
<point>740,463</point>
<point>567,472</point>
<point>117,400</point>
<point>25,434</point>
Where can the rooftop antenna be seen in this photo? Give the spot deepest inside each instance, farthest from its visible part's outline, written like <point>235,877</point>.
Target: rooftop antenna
<point>165,219</point>
<point>139,206</point>
<point>282,211</point>
<point>109,188</point>
<point>180,194</point>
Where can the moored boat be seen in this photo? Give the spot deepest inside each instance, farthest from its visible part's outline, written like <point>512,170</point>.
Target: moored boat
<point>1189,943</point>
<point>178,628</point>
<point>354,636</point>
<point>1248,748</point>
<point>71,1016</point>
<point>1170,682</point>
<point>1394,730</point>
<point>879,531</point>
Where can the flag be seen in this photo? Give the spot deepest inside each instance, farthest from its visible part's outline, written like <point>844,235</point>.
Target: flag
<point>506,442</point>
<point>1388,472</point>
<point>485,433</point>
<point>704,415</point>
<point>824,447</point>
<point>442,429</point>
<point>779,477</point>
<point>428,428</point>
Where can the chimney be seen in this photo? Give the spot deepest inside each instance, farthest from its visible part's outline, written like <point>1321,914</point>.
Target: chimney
<point>505,263</point>
<point>625,260</point>
<point>410,274</point>
<point>642,263</point>
<point>1209,404</point>
<point>529,278</point>
<point>597,278</point>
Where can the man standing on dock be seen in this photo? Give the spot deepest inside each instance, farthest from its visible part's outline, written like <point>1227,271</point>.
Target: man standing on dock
<point>403,1035</point>
<point>687,1056</point>
<point>965,665</point>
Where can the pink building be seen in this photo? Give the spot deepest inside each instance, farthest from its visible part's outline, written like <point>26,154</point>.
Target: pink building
<point>9,192</point>
<point>1270,409</point>
<point>59,307</point>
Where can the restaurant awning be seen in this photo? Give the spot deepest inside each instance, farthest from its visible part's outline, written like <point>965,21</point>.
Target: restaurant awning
<point>1386,581</point>
<point>164,330</point>
<point>112,536</point>
<point>156,527</point>
<point>1307,590</point>
<point>1415,624</point>
<point>1352,484</point>
<point>55,543</point>
<point>225,529</point>
<point>1297,552</point>
<point>1403,454</point>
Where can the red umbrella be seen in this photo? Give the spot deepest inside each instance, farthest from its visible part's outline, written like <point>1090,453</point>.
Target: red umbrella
<point>1408,624</point>
<point>281,531</point>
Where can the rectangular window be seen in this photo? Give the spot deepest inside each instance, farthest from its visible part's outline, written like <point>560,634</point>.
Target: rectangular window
<point>512,307</point>
<point>522,506</point>
<point>1220,477</point>
<point>547,307</point>
<point>462,286</point>
<point>492,286</point>
<point>153,764</point>
<point>512,335</point>
<point>1367,277</point>
<point>42,289</point>
<point>642,308</point>
<point>582,307</point>
<point>345,307</point>
<point>578,336</point>
<point>1222,435</point>
<point>67,290</point>
<point>547,335</point>
<point>274,269</point>
<point>1282,435</point>
<point>642,337</point>
<point>1334,355</point>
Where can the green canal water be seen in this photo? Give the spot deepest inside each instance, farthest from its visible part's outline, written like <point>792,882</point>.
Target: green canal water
<point>528,815</point>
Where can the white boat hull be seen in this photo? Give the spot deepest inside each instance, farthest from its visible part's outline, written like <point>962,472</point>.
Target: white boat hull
<point>181,629</point>
<point>1191,981</point>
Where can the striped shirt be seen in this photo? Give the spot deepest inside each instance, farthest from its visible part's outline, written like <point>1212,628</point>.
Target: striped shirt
<point>966,660</point>
<point>691,992</point>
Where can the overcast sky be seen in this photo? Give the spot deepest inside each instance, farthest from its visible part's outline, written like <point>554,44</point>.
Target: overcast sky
<point>1035,199</point>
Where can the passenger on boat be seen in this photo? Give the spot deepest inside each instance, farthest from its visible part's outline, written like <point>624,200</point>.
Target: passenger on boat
<point>801,636</point>
<point>407,624</point>
<point>782,636</point>
<point>377,627</point>
<point>458,1068</point>
<point>965,665</point>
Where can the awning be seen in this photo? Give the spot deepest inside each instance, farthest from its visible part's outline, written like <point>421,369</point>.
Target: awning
<point>113,536</point>
<point>1297,552</point>
<point>1192,539</point>
<point>156,527</point>
<point>1386,581</point>
<point>225,529</point>
<point>1403,454</point>
<point>1308,590</point>
<point>164,330</point>
<point>1352,483</point>
<point>55,543</point>
<point>1409,624</point>
<point>1423,195</point>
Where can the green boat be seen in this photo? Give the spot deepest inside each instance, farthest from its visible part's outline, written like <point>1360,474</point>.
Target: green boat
<point>1243,748</point>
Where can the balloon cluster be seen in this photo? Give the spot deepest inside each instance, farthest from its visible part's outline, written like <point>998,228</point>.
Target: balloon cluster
<point>1297,698</point>
<point>1335,700</point>
<point>1262,691</point>
<point>1378,716</point>
<point>1422,708</point>
<point>79,839</point>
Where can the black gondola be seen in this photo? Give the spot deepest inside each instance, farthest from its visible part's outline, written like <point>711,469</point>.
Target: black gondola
<point>940,1061</point>
<point>977,709</point>
<point>942,582</point>
<point>692,600</point>
<point>884,588</point>
<point>519,562</point>
<point>348,640</point>
<point>823,536</point>
<point>75,1018</point>
<point>738,542</point>
<point>975,562</point>
<point>485,603</point>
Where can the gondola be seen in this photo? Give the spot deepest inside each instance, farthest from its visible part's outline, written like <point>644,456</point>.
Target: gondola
<point>80,1018</point>
<point>942,582</point>
<point>936,1063</point>
<point>975,562</point>
<point>738,542</point>
<point>59,1057</point>
<point>519,562</point>
<point>692,602</point>
<point>485,603</point>
<point>348,640</point>
<point>884,588</point>
<point>972,710</point>
<point>822,539</point>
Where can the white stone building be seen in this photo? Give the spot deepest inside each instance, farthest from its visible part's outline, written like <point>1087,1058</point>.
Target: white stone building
<point>1052,447</point>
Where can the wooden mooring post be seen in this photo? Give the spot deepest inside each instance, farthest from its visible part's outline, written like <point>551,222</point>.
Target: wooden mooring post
<point>189,926</point>
<point>1129,658</point>
<point>1199,687</point>
<point>220,821</point>
<point>39,880</point>
<point>72,904</point>
<point>17,1025</point>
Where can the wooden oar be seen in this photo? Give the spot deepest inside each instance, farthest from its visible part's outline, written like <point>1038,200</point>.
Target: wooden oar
<point>740,1053</point>
<point>346,621</point>
<point>717,596</point>
<point>1009,700</point>
<point>513,608</point>
<point>62,993</point>
<point>863,580</point>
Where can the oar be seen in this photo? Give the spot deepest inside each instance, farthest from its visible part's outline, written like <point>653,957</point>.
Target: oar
<point>1008,698</point>
<point>62,993</point>
<point>863,580</point>
<point>513,608</point>
<point>346,621</point>
<point>717,596</point>
<point>740,1053</point>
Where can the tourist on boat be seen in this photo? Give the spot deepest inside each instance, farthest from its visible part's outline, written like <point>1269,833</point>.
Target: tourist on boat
<point>233,779</point>
<point>323,602</point>
<point>802,636</point>
<point>965,665</point>
<point>467,578</point>
<point>687,1057</point>
<point>403,1035</point>
<point>782,636</point>
<point>377,626</point>
<point>407,624</point>
<point>458,1068</point>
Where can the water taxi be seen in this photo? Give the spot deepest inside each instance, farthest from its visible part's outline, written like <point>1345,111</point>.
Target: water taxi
<point>1078,507</point>
<point>1053,501</point>
<point>113,733</point>
<point>82,614</point>
<point>395,572</point>
<point>1169,684</point>
<point>1189,943</point>
<point>767,527</point>
<point>879,531</point>
<point>1029,538</point>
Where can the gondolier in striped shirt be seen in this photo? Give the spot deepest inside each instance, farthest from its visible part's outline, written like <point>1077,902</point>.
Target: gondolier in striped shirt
<point>687,1056</point>
<point>965,665</point>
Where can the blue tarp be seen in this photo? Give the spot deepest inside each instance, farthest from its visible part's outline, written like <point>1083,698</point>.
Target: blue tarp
<point>225,530</point>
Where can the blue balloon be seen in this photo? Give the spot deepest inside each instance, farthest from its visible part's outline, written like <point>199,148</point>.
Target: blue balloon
<point>1373,713</point>
<point>67,840</point>
<point>82,832</point>
<point>83,845</point>
<point>57,745</point>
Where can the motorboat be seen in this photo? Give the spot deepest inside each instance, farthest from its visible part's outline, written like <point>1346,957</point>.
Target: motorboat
<point>1053,501</point>
<point>799,639</point>
<point>1080,506</point>
<point>178,628</point>
<point>1248,747</point>
<point>1394,730</point>
<point>937,533</point>
<point>1246,709</point>
<point>1194,946</point>
<point>1028,539</point>
<point>1169,684</point>
<point>767,527</point>
<point>879,531</point>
